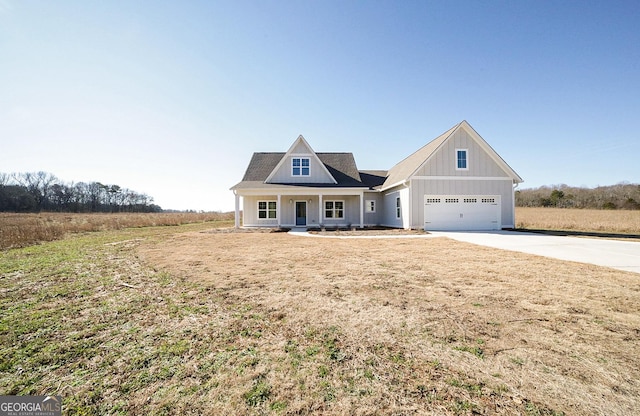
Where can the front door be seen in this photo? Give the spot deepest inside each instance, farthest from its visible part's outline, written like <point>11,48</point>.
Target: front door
<point>301,212</point>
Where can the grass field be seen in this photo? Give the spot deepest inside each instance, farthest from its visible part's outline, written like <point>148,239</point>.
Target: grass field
<point>195,320</point>
<point>586,220</point>
<point>21,230</point>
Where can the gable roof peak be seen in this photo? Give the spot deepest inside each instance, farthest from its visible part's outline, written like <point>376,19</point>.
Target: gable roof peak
<point>492,153</point>
<point>408,167</point>
<point>296,143</point>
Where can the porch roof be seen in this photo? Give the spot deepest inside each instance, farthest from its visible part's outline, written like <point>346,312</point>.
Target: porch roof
<point>296,187</point>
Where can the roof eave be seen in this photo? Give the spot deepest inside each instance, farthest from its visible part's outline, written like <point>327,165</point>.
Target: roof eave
<point>403,182</point>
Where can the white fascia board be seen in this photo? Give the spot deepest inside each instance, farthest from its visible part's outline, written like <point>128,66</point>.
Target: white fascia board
<point>435,151</point>
<point>463,178</point>
<point>405,183</point>
<point>491,152</point>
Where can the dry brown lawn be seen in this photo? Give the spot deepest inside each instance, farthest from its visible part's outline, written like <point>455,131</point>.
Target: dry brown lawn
<point>399,326</point>
<point>589,220</point>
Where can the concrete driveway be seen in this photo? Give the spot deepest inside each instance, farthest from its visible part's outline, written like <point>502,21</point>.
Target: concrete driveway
<point>622,255</point>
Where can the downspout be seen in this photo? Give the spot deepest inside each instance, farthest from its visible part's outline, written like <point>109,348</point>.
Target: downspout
<point>237,216</point>
<point>513,202</point>
<point>408,185</point>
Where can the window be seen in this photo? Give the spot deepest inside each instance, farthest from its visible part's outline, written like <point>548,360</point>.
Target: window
<point>267,210</point>
<point>300,166</point>
<point>370,206</point>
<point>334,209</point>
<point>461,159</point>
<point>398,208</point>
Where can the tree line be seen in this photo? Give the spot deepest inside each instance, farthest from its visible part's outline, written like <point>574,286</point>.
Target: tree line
<point>42,191</point>
<point>620,196</point>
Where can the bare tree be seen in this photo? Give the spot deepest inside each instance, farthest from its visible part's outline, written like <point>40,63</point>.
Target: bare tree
<point>38,191</point>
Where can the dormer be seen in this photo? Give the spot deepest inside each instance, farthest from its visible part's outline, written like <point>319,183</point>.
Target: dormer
<point>300,165</point>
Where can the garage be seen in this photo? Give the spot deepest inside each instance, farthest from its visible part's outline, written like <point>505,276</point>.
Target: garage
<point>462,212</point>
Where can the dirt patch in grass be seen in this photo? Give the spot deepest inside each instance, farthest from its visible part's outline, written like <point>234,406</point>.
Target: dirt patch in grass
<point>297,325</point>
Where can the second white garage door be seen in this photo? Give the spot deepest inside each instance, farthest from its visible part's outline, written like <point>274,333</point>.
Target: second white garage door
<point>461,212</point>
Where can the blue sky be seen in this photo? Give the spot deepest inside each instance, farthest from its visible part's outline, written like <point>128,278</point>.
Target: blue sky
<point>172,98</point>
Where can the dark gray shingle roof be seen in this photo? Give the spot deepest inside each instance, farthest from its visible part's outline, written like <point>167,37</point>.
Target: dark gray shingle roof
<point>373,178</point>
<point>342,166</point>
<point>261,165</point>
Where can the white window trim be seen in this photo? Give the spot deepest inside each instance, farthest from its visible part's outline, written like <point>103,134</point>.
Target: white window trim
<point>398,208</point>
<point>301,158</point>
<point>333,210</point>
<point>455,157</point>
<point>370,206</point>
<point>267,210</point>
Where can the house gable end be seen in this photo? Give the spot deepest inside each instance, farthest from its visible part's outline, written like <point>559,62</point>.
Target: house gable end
<point>479,158</point>
<point>300,164</point>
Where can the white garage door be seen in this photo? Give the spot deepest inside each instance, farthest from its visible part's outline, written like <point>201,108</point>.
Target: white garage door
<point>462,212</point>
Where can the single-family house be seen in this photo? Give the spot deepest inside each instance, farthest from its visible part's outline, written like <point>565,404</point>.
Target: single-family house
<point>455,182</point>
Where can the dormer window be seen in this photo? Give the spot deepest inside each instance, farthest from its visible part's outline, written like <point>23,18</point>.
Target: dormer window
<point>461,159</point>
<point>300,166</point>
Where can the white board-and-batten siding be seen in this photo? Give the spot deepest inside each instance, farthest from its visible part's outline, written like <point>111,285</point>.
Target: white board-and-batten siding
<point>373,218</point>
<point>317,172</point>
<point>250,212</point>
<point>443,161</point>
<point>390,218</point>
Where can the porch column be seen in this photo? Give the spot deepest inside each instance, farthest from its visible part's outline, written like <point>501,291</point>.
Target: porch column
<point>279,211</point>
<point>361,209</point>
<point>237,217</point>
<point>319,209</point>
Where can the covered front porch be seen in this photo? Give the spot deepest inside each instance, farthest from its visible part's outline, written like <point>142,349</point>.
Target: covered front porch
<point>332,207</point>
